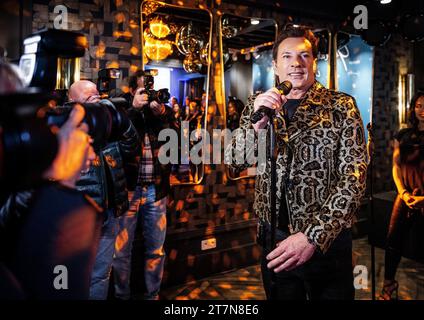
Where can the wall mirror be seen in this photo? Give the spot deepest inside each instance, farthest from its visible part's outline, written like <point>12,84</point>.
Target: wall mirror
<point>176,45</point>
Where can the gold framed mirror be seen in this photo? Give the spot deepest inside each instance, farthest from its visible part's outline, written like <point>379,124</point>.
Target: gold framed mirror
<point>176,44</point>
<point>246,66</point>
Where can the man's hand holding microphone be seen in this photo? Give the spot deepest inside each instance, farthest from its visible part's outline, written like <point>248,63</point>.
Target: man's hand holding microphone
<point>268,103</point>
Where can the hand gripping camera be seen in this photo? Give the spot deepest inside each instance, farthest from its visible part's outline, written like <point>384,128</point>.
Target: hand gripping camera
<point>160,96</point>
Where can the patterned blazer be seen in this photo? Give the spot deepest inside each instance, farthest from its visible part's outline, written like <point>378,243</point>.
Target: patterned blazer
<point>321,164</point>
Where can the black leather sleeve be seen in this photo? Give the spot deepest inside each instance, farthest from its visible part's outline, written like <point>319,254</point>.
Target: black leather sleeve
<point>130,143</point>
<point>15,208</point>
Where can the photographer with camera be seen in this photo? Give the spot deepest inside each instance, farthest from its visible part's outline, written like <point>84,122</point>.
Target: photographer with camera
<point>148,201</point>
<point>105,182</point>
<point>53,224</point>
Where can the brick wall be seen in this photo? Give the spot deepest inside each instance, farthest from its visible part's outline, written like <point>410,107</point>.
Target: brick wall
<point>111,26</point>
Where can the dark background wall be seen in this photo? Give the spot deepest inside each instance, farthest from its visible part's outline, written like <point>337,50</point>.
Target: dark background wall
<point>395,58</point>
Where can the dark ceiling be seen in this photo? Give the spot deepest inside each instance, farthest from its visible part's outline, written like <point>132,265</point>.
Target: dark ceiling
<point>335,11</point>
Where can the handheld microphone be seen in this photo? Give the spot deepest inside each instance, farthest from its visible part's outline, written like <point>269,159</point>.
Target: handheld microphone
<point>284,89</point>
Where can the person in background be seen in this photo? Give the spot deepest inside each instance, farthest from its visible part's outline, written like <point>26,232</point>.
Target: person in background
<point>105,182</point>
<point>233,117</point>
<point>173,102</point>
<point>148,200</point>
<point>186,107</point>
<point>408,175</point>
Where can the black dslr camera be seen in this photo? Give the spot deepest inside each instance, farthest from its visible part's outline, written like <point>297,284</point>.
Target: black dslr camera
<point>28,145</point>
<point>106,81</point>
<point>107,119</point>
<point>160,96</point>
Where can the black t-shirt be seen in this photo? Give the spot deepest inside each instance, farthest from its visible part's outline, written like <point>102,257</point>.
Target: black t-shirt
<point>411,145</point>
<point>409,142</point>
<point>290,108</point>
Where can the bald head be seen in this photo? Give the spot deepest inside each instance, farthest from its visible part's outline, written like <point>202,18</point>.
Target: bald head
<point>83,91</point>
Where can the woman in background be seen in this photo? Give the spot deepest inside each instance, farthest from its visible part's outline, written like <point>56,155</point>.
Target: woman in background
<point>408,175</point>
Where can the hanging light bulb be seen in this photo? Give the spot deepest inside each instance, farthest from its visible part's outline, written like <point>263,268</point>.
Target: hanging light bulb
<point>156,49</point>
<point>159,28</point>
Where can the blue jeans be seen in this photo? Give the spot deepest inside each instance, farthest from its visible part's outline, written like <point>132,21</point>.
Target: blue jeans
<point>152,216</point>
<point>102,267</point>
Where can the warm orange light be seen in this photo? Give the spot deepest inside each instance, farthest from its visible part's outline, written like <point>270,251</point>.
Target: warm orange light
<point>145,59</point>
<point>152,264</point>
<point>125,89</point>
<point>134,50</point>
<point>161,224</point>
<point>82,41</point>
<point>123,34</point>
<point>212,293</point>
<point>157,49</point>
<point>225,286</point>
<point>120,17</point>
<point>133,24</point>
<point>247,296</point>
<point>158,28</point>
<point>195,293</point>
<point>121,240</point>
<point>101,50</point>
<point>133,68</point>
<point>113,64</point>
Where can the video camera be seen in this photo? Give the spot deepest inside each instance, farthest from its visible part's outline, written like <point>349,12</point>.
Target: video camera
<point>161,95</point>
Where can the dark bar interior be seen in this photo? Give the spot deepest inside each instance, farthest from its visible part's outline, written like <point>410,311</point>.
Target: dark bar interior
<point>121,127</point>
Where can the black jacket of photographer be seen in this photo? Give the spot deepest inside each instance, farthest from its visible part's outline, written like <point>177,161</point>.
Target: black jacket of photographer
<point>146,122</point>
<point>105,180</point>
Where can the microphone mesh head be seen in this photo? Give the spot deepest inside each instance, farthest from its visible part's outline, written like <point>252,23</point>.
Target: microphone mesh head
<point>285,87</point>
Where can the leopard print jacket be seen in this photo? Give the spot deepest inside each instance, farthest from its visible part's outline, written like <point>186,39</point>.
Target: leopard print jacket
<point>321,164</point>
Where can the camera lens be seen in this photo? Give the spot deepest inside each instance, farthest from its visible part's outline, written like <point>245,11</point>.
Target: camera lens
<point>106,119</point>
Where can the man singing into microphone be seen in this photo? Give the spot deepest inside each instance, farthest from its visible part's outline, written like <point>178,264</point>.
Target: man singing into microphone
<point>321,170</point>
